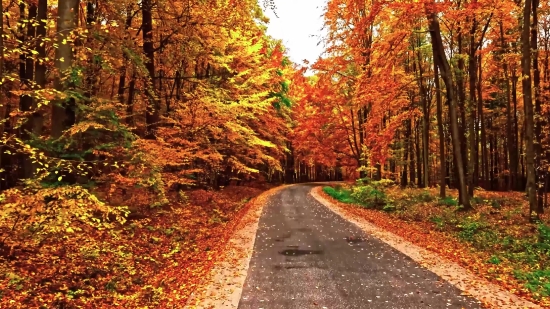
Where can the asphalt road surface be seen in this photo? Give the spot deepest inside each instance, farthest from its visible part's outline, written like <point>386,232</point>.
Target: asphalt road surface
<point>306,256</point>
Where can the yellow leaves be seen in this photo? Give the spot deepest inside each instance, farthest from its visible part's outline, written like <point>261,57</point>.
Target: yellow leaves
<point>85,126</point>
<point>255,141</point>
<point>254,48</point>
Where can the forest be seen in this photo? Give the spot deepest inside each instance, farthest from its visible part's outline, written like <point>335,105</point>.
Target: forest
<point>135,133</point>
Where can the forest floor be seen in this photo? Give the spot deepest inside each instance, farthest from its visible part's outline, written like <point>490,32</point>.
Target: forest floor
<point>154,261</point>
<point>494,241</point>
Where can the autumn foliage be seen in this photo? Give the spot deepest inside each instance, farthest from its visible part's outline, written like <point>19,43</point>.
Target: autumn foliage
<point>119,120</point>
<point>431,93</point>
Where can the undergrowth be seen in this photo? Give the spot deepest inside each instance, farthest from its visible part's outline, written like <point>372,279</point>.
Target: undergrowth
<point>497,232</point>
<point>154,260</point>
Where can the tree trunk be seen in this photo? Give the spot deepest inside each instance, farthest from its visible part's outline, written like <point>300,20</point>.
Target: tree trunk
<point>2,95</point>
<point>130,100</point>
<point>539,123</point>
<point>290,164</point>
<point>461,96</point>
<point>404,176</point>
<point>152,116</point>
<point>63,112</point>
<point>510,136</point>
<point>473,166</point>
<point>446,74</point>
<point>1,54</point>
<point>412,170</point>
<point>425,122</point>
<point>361,127</point>
<point>27,101</point>
<point>40,74</point>
<point>516,139</point>
<point>482,129</point>
<point>442,158</point>
<point>529,118</point>
<point>419,180</point>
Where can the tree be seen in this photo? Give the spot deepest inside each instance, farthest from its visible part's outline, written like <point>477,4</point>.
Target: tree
<point>443,64</point>
<point>528,105</point>
<point>63,112</point>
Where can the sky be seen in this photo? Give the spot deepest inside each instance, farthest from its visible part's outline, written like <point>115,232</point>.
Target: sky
<point>299,26</point>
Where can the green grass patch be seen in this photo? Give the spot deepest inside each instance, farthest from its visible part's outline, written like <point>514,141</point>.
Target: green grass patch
<point>448,201</point>
<point>537,281</point>
<point>494,260</point>
<point>340,194</point>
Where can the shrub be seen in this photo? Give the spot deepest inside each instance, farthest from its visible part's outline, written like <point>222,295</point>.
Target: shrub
<point>476,200</point>
<point>536,281</point>
<point>341,195</point>
<point>469,228</point>
<point>425,196</point>
<point>544,237</point>
<point>369,196</point>
<point>494,260</point>
<point>439,222</point>
<point>495,204</point>
<point>448,201</point>
<point>383,183</point>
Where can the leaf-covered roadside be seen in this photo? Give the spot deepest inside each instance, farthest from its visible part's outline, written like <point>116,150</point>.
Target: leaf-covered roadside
<point>493,241</point>
<point>155,260</point>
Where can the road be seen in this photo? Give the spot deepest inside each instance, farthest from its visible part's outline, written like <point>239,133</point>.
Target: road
<point>306,256</point>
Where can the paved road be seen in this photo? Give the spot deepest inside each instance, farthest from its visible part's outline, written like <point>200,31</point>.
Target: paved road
<point>306,256</point>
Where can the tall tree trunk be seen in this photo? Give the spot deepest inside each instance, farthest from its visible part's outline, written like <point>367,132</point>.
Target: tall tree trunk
<point>23,99</point>
<point>361,127</point>
<point>482,129</point>
<point>446,74</point>
<point>1,53</point>
<point>93,70</point>
<point>404,179</point>
<point>529,117</point>
<point>27,101</point>
<point>152,116</point>
<point>472,105</point>
<point>516,139</point>
<point>2,95</point>
<point>40,74</point>
<point>425,121</point>
<point>63,112</point>
<point>540,173</point>
<point>510,136</point>
<point>461,96</point>
<point>123,69</point>
<point>130,100</point>
<point>419,181</point>
<point>442,158</point>
<point>491,157</point>
<point>412,170</point>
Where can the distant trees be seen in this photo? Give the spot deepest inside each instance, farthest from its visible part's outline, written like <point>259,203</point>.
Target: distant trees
<point>483,135</point>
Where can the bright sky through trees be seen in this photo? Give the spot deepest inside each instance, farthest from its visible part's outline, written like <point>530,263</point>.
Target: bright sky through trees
<point>299,25</point>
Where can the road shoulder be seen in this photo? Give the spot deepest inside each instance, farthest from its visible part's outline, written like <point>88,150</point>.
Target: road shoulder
<point>224,286</point>
<point>490,294</point>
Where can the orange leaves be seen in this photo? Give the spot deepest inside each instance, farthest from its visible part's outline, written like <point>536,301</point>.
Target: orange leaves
<point>155,261</point>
